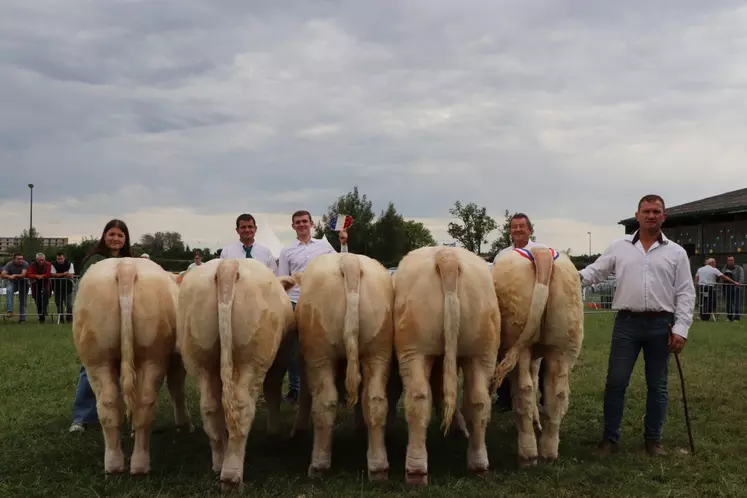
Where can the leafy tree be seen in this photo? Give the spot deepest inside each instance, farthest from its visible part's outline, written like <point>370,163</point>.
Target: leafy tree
<point>475,227</point>
<point>389,240</point>
<point>162,244</point>
<point>417,235</point>
<point>357,206</point>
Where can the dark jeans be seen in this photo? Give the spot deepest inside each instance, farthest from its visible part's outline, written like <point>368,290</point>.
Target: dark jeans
<point>707,300</point>
<point>631,333</point>
<point>732,302</point>
<point>64,302</point>
<point>41,297</point>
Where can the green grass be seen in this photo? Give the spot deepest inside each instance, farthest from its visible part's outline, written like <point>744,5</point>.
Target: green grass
<point>38,374</point>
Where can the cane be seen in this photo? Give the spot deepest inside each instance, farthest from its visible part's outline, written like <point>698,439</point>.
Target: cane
<point>684,399</point>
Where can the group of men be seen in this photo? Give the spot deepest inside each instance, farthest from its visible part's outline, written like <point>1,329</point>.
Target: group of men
<point>46,279</point>
<point>706,279</point>
<point>293,258</point>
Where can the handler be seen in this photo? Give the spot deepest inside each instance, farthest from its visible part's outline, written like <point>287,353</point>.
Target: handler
<point>654,300</point>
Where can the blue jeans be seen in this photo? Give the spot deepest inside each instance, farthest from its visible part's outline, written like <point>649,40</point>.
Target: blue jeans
<point>630,334</point>
<point>294,376</point>
<point>84,406</point>
<point>732,301</point>
<point>21,287</point>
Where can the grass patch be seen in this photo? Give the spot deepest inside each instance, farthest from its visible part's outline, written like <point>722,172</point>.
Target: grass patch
<point>38,375</point>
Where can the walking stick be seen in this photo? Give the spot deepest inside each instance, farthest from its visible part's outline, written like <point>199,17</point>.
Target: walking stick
<point>684,399</point>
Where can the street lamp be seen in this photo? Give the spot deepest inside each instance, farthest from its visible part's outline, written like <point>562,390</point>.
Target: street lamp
<point>589,244</point>
<point>31,209</point>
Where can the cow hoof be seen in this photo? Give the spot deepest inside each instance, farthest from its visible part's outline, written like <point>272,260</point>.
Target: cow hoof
<point>114,464</point>
<point>478,471</point>
<point>527,462</point>
<point>378,475</point>
<point>317,472</point>
<point>231,486</point>
<point>417,477</point>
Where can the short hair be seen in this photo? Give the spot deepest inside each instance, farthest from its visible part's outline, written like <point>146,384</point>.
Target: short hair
<point>41,254</point>
<point>16,254</point>
<point>60,253</point>
<point>652,198</point>
<point>198,253</point>
<point>522,216</point>
<point>245,217</point>
<point>299,213</point>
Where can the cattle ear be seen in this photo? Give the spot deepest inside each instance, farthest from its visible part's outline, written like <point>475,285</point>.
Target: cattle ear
<point>287,282</point>
<point>298,277</point>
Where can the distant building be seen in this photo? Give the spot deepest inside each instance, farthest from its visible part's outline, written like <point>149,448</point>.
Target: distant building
<point>712,227</point>
<point>7,243</point>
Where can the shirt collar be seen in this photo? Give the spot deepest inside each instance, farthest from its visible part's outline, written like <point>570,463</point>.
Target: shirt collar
<point>662,239</point>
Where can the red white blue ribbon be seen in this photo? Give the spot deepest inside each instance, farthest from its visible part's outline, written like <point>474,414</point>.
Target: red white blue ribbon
<point>528,254</point>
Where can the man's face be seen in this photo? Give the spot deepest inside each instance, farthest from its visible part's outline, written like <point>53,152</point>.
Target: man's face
<point>198,260</point>
<point>730,261</point>
<point>651,215</point>
<point>246,230</point>
<point>40,259</point>
<point>18,260</point>
<point>302,225</point>
<point>520,231</point>
<point>60,258</point>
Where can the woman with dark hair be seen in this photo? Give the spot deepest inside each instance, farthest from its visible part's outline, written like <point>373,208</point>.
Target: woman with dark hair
<point>114,243</point>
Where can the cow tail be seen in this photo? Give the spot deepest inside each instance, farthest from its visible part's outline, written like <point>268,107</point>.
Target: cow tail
<point>126,276</point>
<point>543,262</point>
<point>448,267</point>
<point>350,267</point>
<point>225,280</point>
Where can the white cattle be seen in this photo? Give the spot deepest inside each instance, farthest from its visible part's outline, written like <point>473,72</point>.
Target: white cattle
<point>124,321</point>
<point>539,293</point>
<point>445,306</point>
<point>233,315</point>
<point>344,316</point>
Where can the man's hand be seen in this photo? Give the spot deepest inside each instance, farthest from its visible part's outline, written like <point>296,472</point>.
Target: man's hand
<point>343,237</point>
<point>676,342</point>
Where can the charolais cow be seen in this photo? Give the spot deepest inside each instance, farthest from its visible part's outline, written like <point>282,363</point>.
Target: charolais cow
<point>445,307</point>
<point>542,318</point>
<point>124,321</point>
<point>233,315</point>
<point>344,319</point>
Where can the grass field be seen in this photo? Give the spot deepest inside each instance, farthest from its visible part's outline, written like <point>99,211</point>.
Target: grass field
<point>38,374</point>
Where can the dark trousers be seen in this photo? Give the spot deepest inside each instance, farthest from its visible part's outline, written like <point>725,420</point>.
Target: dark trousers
<point>732,302</point>
<point>64,302</point>
<point>41,297</point>
<point>707,300</point>
<point>631,334</point>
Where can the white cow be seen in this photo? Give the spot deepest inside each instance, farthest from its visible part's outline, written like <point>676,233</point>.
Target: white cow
<point>233,315</point>
<point>445,307</point>
<point>344,315</point>
<point>542,313</point>
<point>124,321</point>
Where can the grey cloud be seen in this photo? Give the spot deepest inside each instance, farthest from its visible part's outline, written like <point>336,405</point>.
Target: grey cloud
<point>571,109</point>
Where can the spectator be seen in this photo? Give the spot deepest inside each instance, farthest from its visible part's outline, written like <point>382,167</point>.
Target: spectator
<point>38,274</point>
<point>14,273</point>
<point>62,273</point>
<point>706,278</point>
<point>733,292</point>
<point>197,260</point>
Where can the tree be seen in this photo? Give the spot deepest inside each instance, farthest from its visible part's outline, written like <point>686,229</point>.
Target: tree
<point>29,244</point>
<point>388,241</point>
<point>163,244</point>
<point>477,224</point>
<point>357,206</point>
<point>417,235</point>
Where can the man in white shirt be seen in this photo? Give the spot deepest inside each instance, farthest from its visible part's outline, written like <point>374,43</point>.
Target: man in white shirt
<point>521,230</point>
<point>246,247</point>
<point>294,258</point>
<point>197,260</point>
<point>706,279</point>
<point>654,299</point>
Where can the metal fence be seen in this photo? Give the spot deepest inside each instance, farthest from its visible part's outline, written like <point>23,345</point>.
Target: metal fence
<point>712,301</point>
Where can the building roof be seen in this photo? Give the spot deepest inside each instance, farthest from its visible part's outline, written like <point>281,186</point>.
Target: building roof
<point>728,202</point>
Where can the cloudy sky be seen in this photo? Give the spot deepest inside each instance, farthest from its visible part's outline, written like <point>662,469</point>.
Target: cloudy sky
<point>179,115</point>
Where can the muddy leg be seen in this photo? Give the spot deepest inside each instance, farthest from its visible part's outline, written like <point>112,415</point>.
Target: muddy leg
<point>415,373</point>
<point>103,381</point>
<point>477,376</point>
<point>149,381</point>
<point>524,398</point>
<point>214,421</point>
<point>375,407</point>
<point>557,392</point>
<point>323,410</point>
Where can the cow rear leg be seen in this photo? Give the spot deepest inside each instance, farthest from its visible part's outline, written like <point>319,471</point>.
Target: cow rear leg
<point>375,410</point>
<point>557,392</point>
<point>103,381</point>
<point>323,410</point>
<point>535,382</point>
<point>176,379</point>
<point>246,389</point>
<point>477,375</point>
<point>213,418</point>
<point>415,372</point>
<point>149,380</point>
<point>524,401</point>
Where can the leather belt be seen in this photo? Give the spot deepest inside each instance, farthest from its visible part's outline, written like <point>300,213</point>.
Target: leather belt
<point>648,313</point>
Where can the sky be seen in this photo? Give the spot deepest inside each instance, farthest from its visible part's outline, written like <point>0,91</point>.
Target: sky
<point>182,115</point>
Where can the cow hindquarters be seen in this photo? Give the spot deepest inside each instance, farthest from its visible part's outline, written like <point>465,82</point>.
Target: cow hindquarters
<point>557,392</point>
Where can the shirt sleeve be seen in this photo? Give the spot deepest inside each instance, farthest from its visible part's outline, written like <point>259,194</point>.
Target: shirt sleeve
<point>283,265</point>
<point>271,264</point>
<point>684,297</point>
<point>599,269</point>
<point>71,271</point>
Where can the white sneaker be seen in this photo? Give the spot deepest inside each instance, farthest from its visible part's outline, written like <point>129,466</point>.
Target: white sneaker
<point>77,428</point>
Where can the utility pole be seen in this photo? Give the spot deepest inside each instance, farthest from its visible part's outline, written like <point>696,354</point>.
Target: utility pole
<point>31,209</point>
<point>589,246</point>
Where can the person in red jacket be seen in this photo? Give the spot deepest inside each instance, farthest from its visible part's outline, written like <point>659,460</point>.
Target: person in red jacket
<point>39,273</point>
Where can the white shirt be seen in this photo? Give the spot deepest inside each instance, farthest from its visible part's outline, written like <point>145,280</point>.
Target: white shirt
<point>71,271</point>
<point>655,281</point>
<point>295,257</point>
<point>259,252</point>
<point>193,265</point>
<point>708,275</point>
<point>528,247</point>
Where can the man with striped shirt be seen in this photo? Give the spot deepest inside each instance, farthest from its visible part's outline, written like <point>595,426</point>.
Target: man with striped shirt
<point>654,299</point>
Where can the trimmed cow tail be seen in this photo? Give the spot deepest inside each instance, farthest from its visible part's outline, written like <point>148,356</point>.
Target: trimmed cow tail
<point>350,267</point>
<point>225,280</point>
<point>448,267</point>
<point>126,276</point>
<point>543,265</point>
